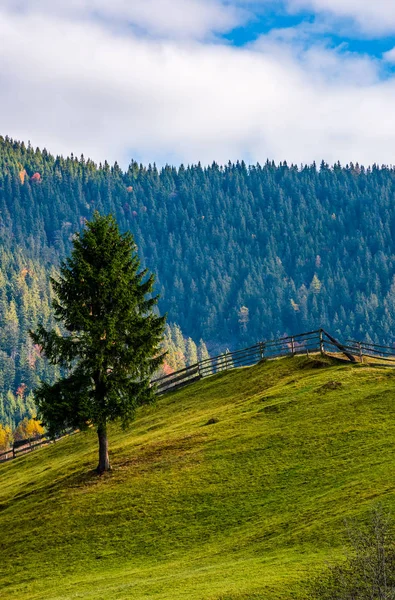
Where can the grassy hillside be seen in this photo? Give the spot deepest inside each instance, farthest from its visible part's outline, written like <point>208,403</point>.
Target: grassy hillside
<point>242,508</point>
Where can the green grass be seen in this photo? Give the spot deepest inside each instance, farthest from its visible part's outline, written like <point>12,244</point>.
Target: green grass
<point>245,508</point>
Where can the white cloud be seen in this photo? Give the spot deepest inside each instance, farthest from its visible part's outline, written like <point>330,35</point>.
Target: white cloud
<point>355,16</point>
<point>169,18</point>
<point>79,86</point>
<point>389,56</point>
<point>319,60</point>
<point>199,18</point>
<point>372,18</point>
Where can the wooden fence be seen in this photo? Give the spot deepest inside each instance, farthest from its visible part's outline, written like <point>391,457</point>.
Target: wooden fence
<point>20,447</point>
<point>304,343</point>
<point>318,341</point>
<point>372,353</point>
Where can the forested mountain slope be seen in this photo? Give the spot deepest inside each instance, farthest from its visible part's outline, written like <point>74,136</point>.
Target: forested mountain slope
<point>240,253</point>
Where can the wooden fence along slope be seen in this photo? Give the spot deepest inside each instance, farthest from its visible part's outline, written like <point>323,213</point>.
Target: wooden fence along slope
<point>318,341</point>
<point>24,446</point>
<point>304,343</point>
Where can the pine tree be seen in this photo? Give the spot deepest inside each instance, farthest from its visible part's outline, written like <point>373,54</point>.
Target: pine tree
<point>180,346</point>
<point>191,352</point>
<point>112,345</point>
<point>202,351</point>
<point>203,355</point>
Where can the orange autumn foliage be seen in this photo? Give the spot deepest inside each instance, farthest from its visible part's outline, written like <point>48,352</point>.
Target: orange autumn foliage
<point>166,368</point>
<point>21,390</point>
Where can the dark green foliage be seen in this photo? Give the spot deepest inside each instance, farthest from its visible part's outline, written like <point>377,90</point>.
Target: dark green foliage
<point>111,347</point>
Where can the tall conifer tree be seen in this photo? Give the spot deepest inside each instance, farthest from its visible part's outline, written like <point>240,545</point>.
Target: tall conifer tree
<point>112,342</point>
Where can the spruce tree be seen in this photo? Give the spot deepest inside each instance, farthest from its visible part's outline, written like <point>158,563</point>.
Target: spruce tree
<point>191,352</point>
<point>111,345</point>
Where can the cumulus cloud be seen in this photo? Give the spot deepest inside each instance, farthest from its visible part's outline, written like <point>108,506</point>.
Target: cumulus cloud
<point>371,18</point>
<point>76,84</point>
<point>198,18</point>
<point>318,58</point>
<point>168,18</point>
<point>356,16</point>
<point>389,56</point>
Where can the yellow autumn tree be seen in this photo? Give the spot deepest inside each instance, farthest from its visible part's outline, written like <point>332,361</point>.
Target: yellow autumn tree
<point>28,428</point>
<point>5,437</point>
<point>315,285</point>
<point>34,429</point>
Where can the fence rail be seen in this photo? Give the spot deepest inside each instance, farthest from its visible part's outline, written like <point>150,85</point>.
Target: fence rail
<point>318,341</point>
<point>377,352</point>
<point>28,445</point>
<point>304,343</point>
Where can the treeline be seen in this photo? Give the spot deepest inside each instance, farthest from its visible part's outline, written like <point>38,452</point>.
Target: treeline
<point>241,253</point>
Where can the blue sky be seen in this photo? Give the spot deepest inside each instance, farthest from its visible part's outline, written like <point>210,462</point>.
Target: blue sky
<point>262,23</point>
<point>265,21</point>
<point>188,80</point>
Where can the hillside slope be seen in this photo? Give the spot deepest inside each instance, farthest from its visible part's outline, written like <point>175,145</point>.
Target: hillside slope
<point>245,507</point>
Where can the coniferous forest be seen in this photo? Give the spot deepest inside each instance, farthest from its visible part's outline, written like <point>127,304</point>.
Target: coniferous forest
<point>241,253</point>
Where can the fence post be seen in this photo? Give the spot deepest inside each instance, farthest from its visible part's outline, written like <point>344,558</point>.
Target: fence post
<point>340,346</point>
<point>199,371</point>
<point>321,343</point>
<point>292,346</point>
<point>360,351</point>
<point>262,349</point>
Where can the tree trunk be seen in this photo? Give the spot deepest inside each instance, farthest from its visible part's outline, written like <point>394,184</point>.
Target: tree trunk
<point>104,461</point>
